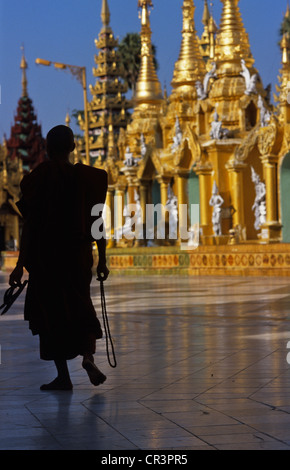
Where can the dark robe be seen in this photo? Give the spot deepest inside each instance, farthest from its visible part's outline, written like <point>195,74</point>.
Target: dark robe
<point>56,203</point>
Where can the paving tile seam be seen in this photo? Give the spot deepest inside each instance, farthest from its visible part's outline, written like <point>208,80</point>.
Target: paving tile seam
<point>272,407</point>
<point>43,427</point>
<point>201,438</point>
<point>252,428</point>
<point>112,427</point>
<point>159,414</point>
<point>264,386</point>
<point>253,363</point>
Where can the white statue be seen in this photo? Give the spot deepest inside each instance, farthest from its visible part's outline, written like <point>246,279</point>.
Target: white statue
<point>217,131</point>
<point>129,159</point>
<point>193,239</point>
<point>129,222</point>
<point>201,94</point>
<point>208,76</point>
<point>216,201</point>
<point>265,115</point>
<point>259,206</point>
<point>202,89</point>
<point>126,230</point>
<point>171,207</point>
<point>138,216</point>
<point>177,138</point>
<point>171,203</point>
<point>251,81</point>
<point>143,146</point>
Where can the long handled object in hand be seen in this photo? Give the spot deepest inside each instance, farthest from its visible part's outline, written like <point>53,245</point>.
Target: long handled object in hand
<point>107,326</point>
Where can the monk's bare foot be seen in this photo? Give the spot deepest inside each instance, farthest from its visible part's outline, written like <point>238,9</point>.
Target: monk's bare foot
<point>57,384</point>
<point>95,375</point>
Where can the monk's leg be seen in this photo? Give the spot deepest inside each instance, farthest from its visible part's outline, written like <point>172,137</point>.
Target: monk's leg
<point>62,381</point>
<point>95,375</point>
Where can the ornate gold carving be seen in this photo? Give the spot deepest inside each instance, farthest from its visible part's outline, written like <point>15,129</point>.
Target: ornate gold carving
<point>270,138</point>
<point>242,151</point>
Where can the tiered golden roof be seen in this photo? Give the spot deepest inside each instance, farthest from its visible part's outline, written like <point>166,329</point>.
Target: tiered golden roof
<point>109,105</point>
<point>232,42</point>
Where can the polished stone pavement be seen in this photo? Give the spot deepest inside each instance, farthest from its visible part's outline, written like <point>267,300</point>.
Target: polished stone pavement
<point>202,365</point>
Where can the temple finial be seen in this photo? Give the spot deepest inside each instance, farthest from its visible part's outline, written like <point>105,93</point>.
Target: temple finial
<point>232,41</point>
<point>285,41</point>
<point>23,66</point>
<point>105,14</point>
<point>206,14</point>
<point>190,65</point>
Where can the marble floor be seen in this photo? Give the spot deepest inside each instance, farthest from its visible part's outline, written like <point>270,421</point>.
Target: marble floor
<point>202,365</point>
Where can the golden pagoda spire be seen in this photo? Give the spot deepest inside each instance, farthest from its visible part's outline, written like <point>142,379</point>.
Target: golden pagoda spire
<point>67,120</point>
<point>105,15</point>
<point>285,41</point>
<point>23,66</point>
<point>148,88</point>
<point>190,65</point>
<point>206,14</point>
<point>284,77</point>
<point>232,42</point>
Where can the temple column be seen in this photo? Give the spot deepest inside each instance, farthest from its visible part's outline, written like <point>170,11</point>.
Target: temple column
<point>182,198</point>
<point>119,203</point>
<point>237,194</point>
<point>205,190</point>
<point>133,185</point>
<point>271,231</point>
<point>163,190</point>
<point>164,182</point>
<point>110,215</point>
<point>144,199</point>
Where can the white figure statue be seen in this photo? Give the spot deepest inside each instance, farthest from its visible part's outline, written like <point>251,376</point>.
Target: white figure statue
<point>208,76</point>
<point>259,206</point>
<point>143,146</point>
<point>127,231</point>
<point>216,201</point>
<point>202,89</point>
<point>138,216</point>
<point>171,207</point>
<point>177,138</point>
<point>129,159</point>
<point>265,115</point>
<point>201,94</point>
<point>193,239</point>
<point>217,131</point>
<point>251,81</point>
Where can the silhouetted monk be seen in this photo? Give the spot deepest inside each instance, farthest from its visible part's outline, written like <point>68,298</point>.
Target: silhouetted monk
<point>56,249</point>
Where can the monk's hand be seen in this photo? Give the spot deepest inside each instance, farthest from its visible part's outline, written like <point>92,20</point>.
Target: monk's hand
<point>16,276</point>
<point>102,272</point>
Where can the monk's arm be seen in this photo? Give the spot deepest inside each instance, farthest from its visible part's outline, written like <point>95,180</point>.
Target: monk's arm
<point>17,273</point>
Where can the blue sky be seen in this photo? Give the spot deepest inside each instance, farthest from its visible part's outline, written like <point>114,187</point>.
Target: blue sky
<point>65,30</point>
